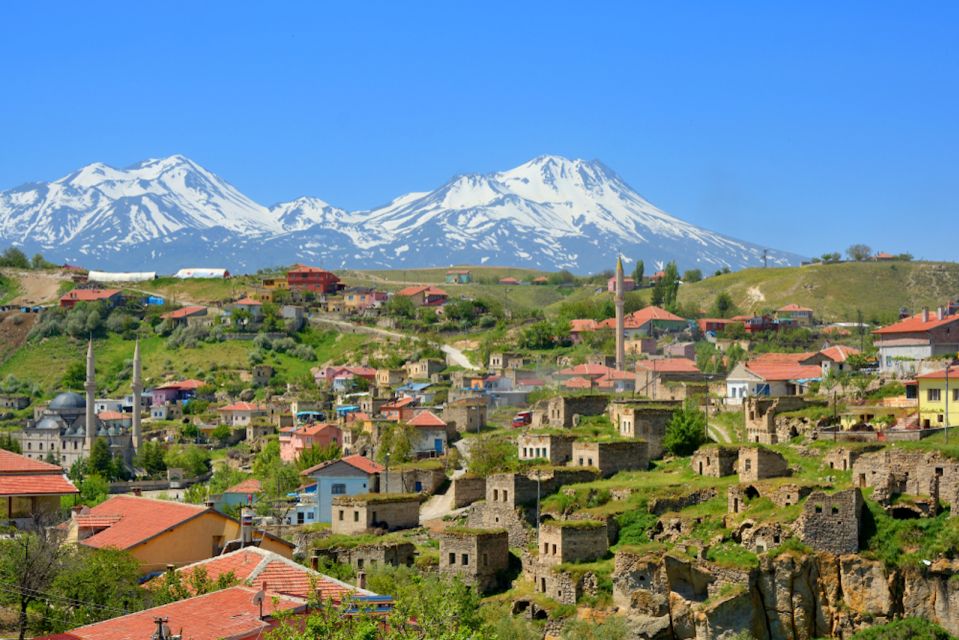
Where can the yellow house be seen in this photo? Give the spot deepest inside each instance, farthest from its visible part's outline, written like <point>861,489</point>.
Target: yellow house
<point>933,397</point>
<point>160,533</point>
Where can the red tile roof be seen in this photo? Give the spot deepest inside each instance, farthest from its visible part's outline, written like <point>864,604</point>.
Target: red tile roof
<point>839,353</point>
<point>935,375</point>
<point>249,302</point>
<point>250,485</point>
<point>578,383</point>
<point>89,295</point>
<point>426,419</point>
<point>668,365</point>
<point>185,312</point>
<point>794,307</point>
<point>183,385</point>
<point>136,520</point>
<point>228,613</point>
<point>398,404</point>
<point>647,314</point>
<point>415,290</point>
<point>356,461</point>
<point>11,462</point>
<point>301,268</point>
<point>582,325</point>
<point>110,415</point>
<point>243,406</point>
<point>587,370</point>
<point>783,370</point>
<point>915,324</point>
<point>508,280</point>
<point>36,485</point>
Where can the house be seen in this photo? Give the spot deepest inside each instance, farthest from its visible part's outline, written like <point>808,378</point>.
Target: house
<point>905,345</point>
<point>500,360</point>
<point>176,391</point>
<point>182,316</point>
<point>387,378</point>
<point>430,435</point>
<point>648,321</point>
<point>773,375</point>
<point>294,440</point>
<point>882,256</point>
<point>680,350</point>
<point>368,512</point>
<point>424,295</point>
<point>540,280</point>
<point>350,475</point>
<point>669,378</point>
<point>30,487</point>
<point>935,396</point>
<point>399,410</point>
<point>836,357</point>
<point>509,281</point>
<point>239,495</point>
<point>458,276</point>
<point>557,449</point>
<point>424,369</point>
<point>249,305</point>
<point>241,414</point>
<point>615,381</point>
<point>361,298</point>
<point>579,327</point>
<point>628,285</point>
<point>72,298</point>
<point>796,314</point>
<point>466,415</point>
<point>476,556</point>
<point>14,402</point>
<point>305,278</point>
<point>159,533</point>
<point>715,325</point>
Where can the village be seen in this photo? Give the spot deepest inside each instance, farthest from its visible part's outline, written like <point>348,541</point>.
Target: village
<point>661,470</point>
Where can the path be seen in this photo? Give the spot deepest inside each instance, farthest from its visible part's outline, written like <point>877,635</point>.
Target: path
<point>441,505</point>
<point>718,433</point>
<point>36,287</point>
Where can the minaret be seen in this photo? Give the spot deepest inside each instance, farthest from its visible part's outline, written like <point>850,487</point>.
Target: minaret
<point>91,388</point>
<point>620,326</point>
<point>137,390</point>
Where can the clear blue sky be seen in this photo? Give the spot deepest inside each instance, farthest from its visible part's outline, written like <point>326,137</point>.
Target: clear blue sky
<point>804,126</point>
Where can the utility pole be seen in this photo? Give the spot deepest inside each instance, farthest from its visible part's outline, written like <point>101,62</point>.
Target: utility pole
<point>765,258</point>
<point>861,328</point>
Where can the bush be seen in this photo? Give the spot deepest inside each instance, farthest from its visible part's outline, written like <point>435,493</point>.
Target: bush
<point>905,629</point>
<point>685,432</point>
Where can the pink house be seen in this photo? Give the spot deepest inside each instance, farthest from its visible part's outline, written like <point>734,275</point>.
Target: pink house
<point>293,440</point>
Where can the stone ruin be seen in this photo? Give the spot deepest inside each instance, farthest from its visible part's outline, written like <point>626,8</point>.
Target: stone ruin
<point>831,522</point>
<point>478,557</point>
<point>715,461</point>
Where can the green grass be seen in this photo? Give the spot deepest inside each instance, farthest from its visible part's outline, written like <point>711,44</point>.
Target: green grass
<point>201,290</point>
<point>733,556</point>
<point>834,291</point>
<point>9,289</point>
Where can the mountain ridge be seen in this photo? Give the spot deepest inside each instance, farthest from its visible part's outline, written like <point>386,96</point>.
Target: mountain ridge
<point>550,213</point>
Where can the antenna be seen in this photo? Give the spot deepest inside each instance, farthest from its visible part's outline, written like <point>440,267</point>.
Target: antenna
<point>765,258</point>
<point>258,598</point>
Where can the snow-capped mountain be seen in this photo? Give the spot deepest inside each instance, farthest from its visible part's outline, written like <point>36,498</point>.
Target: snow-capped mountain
<point>550,212</point>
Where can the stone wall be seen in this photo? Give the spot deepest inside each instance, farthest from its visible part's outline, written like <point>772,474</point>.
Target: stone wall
<point>831,522</point>
<point>355,515</point>
<point>465,416</point>
<point>758,463</point>
<point>478,557</point>
<point>643,420</point>
<point>467,490</point>
<point>561,409</point>
<point>424,480</point>
<point>894,471</point>
<point>557,449</point>
<point>715,461</point>
<point>760,415</point>
<point>611,457</point>
<point>364,557</point>
<point>843,458</point>
<point>572,541</point>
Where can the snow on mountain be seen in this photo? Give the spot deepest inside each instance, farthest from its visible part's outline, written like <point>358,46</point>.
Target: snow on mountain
<point>551,212</point>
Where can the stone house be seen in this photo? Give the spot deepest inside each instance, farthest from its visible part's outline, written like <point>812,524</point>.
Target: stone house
<point>611,456</point>
<point>467,415</point>
<point>556,448</point>
<point>371,405</point>
<point>423,369</point>
<point>368,512</point>
<point>715,461</point>
<point>476,556</point>
<point>560,411</point>
<point>843,458</point>
<point>762,427</point>
<point>758,463</point>
<point>256,431</point>
<point>368,556</point>
<point>14,402</point>
<point>386,378</point>
<point>644,421</point>
<point>831,522</point>
<point>499,361</point>
<point>893,471</point>
<point>566,541</point>
<point>261,375</point>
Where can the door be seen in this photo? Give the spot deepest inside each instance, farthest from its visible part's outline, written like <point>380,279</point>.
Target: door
<point>417,486</point>
<point>438,445</point>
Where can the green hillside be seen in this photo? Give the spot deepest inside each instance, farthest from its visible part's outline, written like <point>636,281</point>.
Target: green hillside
<point>835,291</point>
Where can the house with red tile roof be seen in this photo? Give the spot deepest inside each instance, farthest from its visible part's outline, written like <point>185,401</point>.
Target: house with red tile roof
<point>509,281</point>
<point>430,435</point>
<point>239,495</point>
<point>294,440</point>
<point>773,375</point>
<point>579,383</point>
<point>72,298</point>
<point>628,285</point>
<point>836,357</point>
<point>184,315</point>
<point>581,326</point>
<point>905,346</point>
<point>424,295</point>
<point>587,371</point>
<point>161,532</point>
<point>312,279</point>
<point>796,314</point>
<point>648,321</point>
<point>399,410</point>
<point>241,414</point>
<point>30,487</point>
<point>175,391</point>
<point>715,325</point>
<point>350,475</point>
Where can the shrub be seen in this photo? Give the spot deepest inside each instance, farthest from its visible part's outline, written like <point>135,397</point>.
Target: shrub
<point>685,432</point>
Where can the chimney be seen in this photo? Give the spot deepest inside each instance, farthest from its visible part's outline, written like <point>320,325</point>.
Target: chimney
<point>208,504</point>
<point>361,579</point>
<point>925,314</point>
<point>939,313</point>
<point>246,527</point>
<point>138,492</point>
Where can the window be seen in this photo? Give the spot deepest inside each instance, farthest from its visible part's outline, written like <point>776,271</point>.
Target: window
<point>356,516</point>
<point>495,495</point>
<point>465,559</point>
<point>748,464</point>
<point>955,395</point>
<point>818,508</point>
<point>933,395</point>
<point>835,511</point>
<point>341,515</point>
<point>338,489</point>
<point>545,548</point>
<point>452,559</point>
<point>554,549</point>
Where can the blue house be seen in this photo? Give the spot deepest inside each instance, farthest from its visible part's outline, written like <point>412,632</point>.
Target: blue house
<point>350,475</point>
<point>238,496</point>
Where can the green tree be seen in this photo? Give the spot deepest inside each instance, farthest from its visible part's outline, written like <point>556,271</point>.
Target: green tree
<point>14,257</point>
<point>173,586</point>
<point>859,252</point>
<point>400,307</point>
<point>638,273</point>
<point>99,582</point>
<point>724,306</point>
<point>191,458</point>
<point>74,376</point>
<point>222,433</point>
<point>492,455</point>
<point>666,290</point>
<point>9,443</point>
<point>685,431</point>
<point>692,275</point>
<point>100,460</point>
<point>317,454</point>
<point>94,489</point>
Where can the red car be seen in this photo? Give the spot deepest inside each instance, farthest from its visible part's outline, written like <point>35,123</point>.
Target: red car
<point>522,419</point>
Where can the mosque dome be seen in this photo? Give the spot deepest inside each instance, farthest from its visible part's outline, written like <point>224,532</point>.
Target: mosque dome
<point>68,400</point>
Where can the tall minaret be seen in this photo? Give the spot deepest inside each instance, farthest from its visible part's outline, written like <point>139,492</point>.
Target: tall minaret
<point>91,388</point>
<point>137,390</point>
<point>620,326</point>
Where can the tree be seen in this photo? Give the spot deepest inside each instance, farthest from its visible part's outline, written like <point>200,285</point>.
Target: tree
<point>29,563</point>
<point>100,460</point>
<point>74,376</point>
<point>667,288</point>
<point>94,489</point>
<point>400,307</point>
<point>317,454</point>
<point>98,583</point>
<point>191,458</point>
<point>638,272</point>
<point>9,443</point>
<point>222,433</point>
<point>724,306</point>
<point>859,252</point>
<point>491,455</point>
<point>174,586</point>
<point>14,257</point>
<point>692,275</point>
<point>685,431</point>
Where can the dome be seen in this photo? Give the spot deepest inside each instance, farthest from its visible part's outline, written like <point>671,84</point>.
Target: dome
<point>68,400</point>
<point>48,422</point>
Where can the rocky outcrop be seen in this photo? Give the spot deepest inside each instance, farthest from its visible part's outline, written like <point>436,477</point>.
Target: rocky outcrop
<point>793,596</point>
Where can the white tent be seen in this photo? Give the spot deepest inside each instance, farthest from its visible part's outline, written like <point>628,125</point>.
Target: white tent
<point>202,273</point>
<point>121,276</point>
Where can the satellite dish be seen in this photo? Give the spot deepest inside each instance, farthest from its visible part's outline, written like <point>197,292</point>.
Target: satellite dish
<point>258,597</point>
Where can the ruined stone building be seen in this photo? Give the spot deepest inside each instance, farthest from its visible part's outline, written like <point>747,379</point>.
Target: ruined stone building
<point>611,456</point>
<point>758,463</point>
<point>561,409</point>
<point>367,556</point>
<point>893,471</point>
<point>369,512</point>
<point>566,541</point>
<point>467,415</point>
<point>831,522</point>
<point>762,425</point>
<point>715,461</point>
<point>557,449</point>
<point>643,420</point>
<point>477,556</point>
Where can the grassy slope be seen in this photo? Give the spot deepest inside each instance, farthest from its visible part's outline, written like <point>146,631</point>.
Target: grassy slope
<point>9,289</point>
<point>835,291</point>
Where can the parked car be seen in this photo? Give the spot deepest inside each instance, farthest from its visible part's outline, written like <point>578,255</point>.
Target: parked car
<point>522,419</point>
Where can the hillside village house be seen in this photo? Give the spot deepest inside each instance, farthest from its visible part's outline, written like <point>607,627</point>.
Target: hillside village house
<point>773,375</point>
<point>399,410</point>
<point>70,299</point>
<point>390,377</point>
<point>241,414</point>
<point>906,345</point>
<point>581,326</point>
<point>429,435</point>
<point>628,284</point>
<point>159,533</point>
<point>348,476</point>
<point>193,314</point>
<point>249,305</point>
<point>239,495</point>
<point>657,377</point>
<point>294,440</point>
<point>30,487</point>
<point>458,276</point>
<point>424,295</point>
<point>715,325</point>
<point>424,369</point>
<point>798,315</point>
<point>836,358</point>
<point>313,279</point>
<point>648,321</point>
<point>933,395</point>
<point>176,391</point>
<point>361,298</point>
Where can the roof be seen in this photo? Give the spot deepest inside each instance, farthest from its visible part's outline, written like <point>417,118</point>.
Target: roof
<point>780,370</point>
<point>794,307</point>
<point>184,312</point>
<point>42,484</point>
<point>588,370</point>
<point>88,295</point>
<point>356,461</point>
<point>131,521</point>
<point>11,463</point>
<point>111,415</point>
<point>941,374</point>
<point>415,290</point>
<point>301,268</point>
<point>426,419</point>
<point>647,314</point>
<point>668,365</point>
<point>248,302</point>
<point>578,383</point>
<point>839,353</point>
<point>581,325</point>
<point>183,385</point>
<point>243,406</point>
<point>915,324</point>
<point>228,613</point>
<point>508,280</point>
<point>398,404</point>
<point>250,485</point>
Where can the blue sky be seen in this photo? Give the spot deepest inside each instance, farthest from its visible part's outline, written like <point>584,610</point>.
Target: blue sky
<point>803,126</point>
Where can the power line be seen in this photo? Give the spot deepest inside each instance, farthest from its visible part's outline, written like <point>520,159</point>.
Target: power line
<point>56,599</point>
